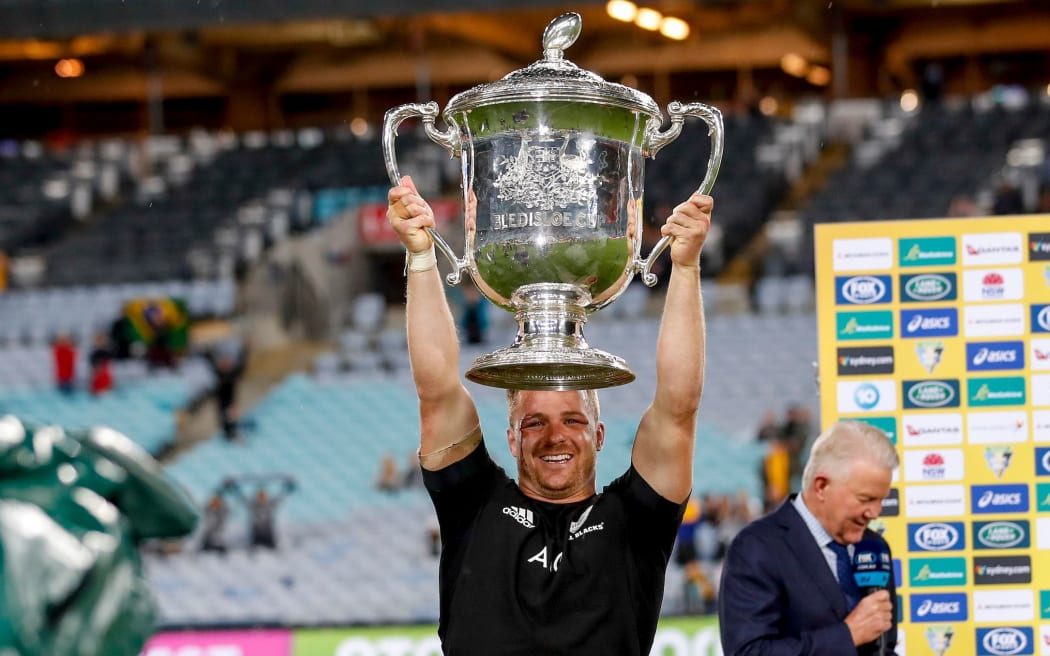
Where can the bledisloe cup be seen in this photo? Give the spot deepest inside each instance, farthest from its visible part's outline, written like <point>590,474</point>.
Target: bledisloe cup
<point>552,161</point>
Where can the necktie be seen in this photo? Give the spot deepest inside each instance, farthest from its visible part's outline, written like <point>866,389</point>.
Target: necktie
<point>844,573</point>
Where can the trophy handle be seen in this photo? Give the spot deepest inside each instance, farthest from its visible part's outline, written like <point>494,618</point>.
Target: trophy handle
<point>658,140</point>
<point>449,140</point>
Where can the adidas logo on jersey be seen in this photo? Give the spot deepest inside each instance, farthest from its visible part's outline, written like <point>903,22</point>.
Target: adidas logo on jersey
<point>522,515</point>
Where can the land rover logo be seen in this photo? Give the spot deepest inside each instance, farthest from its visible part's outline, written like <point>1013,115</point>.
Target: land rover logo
<point>1001,535</point>
<point>928,287</point>
<point>931,394</point>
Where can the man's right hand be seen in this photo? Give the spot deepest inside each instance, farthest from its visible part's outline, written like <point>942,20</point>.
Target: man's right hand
<point>872,617</point>
<point>410,215</point>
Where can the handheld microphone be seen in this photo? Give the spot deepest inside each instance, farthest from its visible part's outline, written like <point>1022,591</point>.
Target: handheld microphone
<point>872,569</point>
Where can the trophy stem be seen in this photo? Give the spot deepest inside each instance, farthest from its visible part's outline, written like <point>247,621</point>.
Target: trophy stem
<point>549,351</point>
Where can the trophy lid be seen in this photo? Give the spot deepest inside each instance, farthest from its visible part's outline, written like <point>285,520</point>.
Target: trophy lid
<point>554,78</point>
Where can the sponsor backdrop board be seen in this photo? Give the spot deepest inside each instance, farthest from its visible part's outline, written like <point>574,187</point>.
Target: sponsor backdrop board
<point>675,636</point>
<point>938,332</point>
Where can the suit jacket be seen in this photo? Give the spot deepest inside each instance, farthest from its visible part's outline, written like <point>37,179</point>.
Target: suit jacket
<point>779,597</point>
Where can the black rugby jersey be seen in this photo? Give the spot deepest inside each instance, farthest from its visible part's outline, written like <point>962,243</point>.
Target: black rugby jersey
<point>526,577</point>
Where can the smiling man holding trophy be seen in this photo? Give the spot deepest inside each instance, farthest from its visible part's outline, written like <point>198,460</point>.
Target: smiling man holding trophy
<point>552,163</point>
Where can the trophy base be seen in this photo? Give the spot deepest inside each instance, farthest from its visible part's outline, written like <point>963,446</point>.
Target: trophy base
<point>550,369</point>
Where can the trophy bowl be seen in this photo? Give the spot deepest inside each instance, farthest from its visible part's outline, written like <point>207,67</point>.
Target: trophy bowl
<point>553,173</point>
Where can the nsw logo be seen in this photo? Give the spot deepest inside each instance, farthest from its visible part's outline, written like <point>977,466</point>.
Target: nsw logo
<point>930,322</point>
<point>1005,641</point>
<point>928,287</point>
<point>1002,534</point>
<point>987,499</point>
<point>863,290</point>
<point>1004,284</point>
<point>936,536</point>
<point>994,356</point>
<point>931,393</point>
<point>943,607</point>
<point>1041,318</point>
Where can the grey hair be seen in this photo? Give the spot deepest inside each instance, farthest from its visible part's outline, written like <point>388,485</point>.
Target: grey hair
<point>845,442</point>
<point>589,398</point>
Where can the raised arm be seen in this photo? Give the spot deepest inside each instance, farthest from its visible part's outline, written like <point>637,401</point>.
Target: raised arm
<point>663,447</point>
<point>449,426</point>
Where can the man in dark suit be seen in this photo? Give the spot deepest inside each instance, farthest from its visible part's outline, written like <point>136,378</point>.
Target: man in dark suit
<point>781,591</point>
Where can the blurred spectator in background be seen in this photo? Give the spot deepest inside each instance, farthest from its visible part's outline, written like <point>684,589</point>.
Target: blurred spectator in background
<point>413,476</point>
<point>1008,198</point>
<point>389,478</point>
<point>776,473</point>
<point>215,515</point>
<point>474,316</point>
<point>100,359</point>
<point>261,508</point>
<point>796,434</point>
<point>228,362</point>
<point>963,206</point>
<point>64,353</point>
<point>769,429</point>
<point>699,594</point>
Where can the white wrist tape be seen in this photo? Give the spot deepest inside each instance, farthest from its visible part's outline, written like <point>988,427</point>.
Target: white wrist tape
<point>422,261</point>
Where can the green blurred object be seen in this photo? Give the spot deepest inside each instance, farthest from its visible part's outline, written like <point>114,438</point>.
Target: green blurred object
<point>74,507</point>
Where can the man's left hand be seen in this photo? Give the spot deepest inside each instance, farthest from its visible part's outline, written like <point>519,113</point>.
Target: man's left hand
<point>688,226</point>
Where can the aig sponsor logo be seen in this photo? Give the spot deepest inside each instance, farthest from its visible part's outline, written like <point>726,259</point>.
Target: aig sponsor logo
<point>935,500</point>
<point>988,499</point>
<point>865,360</point>
<point>932,429</point>
<point>1040,360</point>
<point>863,290</point>
<point>1003,605</point>
<point>993,285</point>
<point>1002,570</point>
<point>1042,461</point>
<point>927,251</point>
<point>868,396</point>
<point>943,607</point>
<point>992,249</point>
<point>936,536</point>
<point>996,391</point>
<point>1038,246</point>
<point>936,465</point>
<point>864,325</point>
<point>997,427</point>
<point>930,322</point>
<point>1005,641</point>
<point>1002,534</point>
<point>1003,320</point>
<point>927,394</point>
<point>994,356</point>
<point>928,287</point>
<point>862,254</point>
<point>1040,318</point>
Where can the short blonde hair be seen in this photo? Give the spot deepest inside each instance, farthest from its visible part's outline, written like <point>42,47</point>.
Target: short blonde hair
<point>845,442</point>
<point>589,398</point>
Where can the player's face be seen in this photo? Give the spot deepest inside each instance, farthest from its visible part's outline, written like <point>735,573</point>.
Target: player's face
<point>555,441</point>
<point>852,498</point>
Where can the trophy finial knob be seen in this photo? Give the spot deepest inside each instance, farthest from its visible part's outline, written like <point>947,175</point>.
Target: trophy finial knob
<point>561,33</point>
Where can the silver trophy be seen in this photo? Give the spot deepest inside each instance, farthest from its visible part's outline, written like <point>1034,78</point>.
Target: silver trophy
<point>552,158</point>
